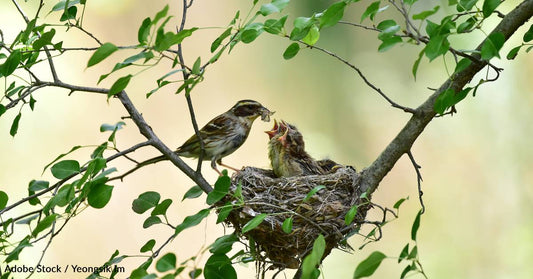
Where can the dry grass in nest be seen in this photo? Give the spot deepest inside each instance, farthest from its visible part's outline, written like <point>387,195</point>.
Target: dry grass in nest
<point>282,198</point>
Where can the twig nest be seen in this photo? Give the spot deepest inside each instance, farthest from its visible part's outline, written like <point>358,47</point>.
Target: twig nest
<point>289,197</point>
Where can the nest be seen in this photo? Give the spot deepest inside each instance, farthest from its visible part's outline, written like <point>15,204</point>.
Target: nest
<point>281,198</point>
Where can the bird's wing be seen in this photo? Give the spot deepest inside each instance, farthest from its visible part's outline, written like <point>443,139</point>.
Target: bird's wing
<point>217,126</point>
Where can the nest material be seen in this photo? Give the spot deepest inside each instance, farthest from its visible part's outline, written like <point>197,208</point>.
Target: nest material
<point>281,198</point>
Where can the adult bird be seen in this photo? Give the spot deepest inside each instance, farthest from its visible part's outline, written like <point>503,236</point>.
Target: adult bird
<point>221,136</point>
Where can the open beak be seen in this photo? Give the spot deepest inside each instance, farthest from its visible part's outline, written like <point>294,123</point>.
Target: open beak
<point>274,130</point>
<point>283,138</point>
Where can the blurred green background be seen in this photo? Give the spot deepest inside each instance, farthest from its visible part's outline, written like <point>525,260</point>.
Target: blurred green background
<point>476,164</point>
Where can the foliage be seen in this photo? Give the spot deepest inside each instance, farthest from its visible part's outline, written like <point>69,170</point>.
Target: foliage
<point>87,182</point>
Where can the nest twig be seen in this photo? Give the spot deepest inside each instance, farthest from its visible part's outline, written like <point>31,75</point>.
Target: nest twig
<point>287,197</point>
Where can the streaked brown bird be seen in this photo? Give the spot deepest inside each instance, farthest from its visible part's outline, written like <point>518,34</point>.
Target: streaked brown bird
<point>225,133</point>
<point>221,136</point>
<point>287,152</point>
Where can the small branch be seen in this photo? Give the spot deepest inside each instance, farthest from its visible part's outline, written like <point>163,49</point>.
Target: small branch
<point>419,180</point>
<point>62,181</point>
<point>360,73</point>
<point>146,131</point>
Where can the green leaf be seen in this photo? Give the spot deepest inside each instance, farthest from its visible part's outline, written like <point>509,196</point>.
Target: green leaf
<point>218,266</point>
<point>467,25</point>
<point>148,246</point>
<point>166,263</point>
<point>69,14</point>
<point>275,26</point>
<point>61,156</point>
<point>45,39</point>
<point>389,43</point>
<point>150,221</point>
<point>196,67</point>
<point>406,270</point>
<point>99,195</point>
<point>513,53</point>
<point>165,40</point>
<point>161,208</point>
<point>437,46</point>
<point>275,6</point>
<point>15,125</point>
<point>311,261</point>
<point>350,215</point>
<point>220,190</point>
<point>425,14</point>
<point>416,225</point>
<point>444,101</point>
<point>14,255</point>
<point>461,65</point>
<point>313,191</point>
<point>192,193</point>
<point>223,244</point>
<point>45,223</point>
<point>413,254</point>
<point>119,85</point>
<point>11,63</point>
<point>489,6</point>
<point>399,202</point>
<point>301,28</point>
<point>61,5</point>
<point>145,201</point>
<point>218,41</point>
<point>3,199</point>
<point>2,109</point>
<point>144,31</point>
<point>417,62</point>
<point>371,11</point>
<point>404,253</point>
<point>332,14</point>
<point>287,225</point>
<point>191,221</point>
<point>32,102</point>
<point>251,32</point>
<point>492,46</point>
<point>313,36</point>
<point>110,127</point>
<point>161,14</point>
<point>252,224</point>
<point>465,5</point>
<point>224,212</point>
<point>528,36</point>
<point>368,266</point>
<point>63,196</point>
<point>65,168</point>
<point>291,51</point>
<point>101,53</point>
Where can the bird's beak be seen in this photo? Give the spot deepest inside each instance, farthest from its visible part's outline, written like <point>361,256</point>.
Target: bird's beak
<point>274,130</point>
<point>265,114</point>
<point>283,138</point>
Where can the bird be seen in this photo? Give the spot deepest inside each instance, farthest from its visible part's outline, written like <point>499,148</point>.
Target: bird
<point>221,136</point>
<point>287,152</point>
<point>225,133</point>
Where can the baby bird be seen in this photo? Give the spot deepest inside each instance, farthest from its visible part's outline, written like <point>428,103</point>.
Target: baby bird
<point>287,152</point>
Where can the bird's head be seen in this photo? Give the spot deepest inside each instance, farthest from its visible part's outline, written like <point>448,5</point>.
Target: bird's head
<point>291,138</point>
<point>250,110</point>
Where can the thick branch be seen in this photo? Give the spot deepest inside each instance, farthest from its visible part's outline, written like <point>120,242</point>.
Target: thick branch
<point>146,131</point>
<point>401,144</point>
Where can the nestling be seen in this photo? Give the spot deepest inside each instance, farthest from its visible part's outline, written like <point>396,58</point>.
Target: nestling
<point>287,152</point>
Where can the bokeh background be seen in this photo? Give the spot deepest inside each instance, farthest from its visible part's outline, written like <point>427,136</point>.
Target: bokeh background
<point>476,164</point>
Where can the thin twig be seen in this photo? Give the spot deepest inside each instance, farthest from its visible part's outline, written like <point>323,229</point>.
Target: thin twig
<point>419,180</point>
<point>360,73</point>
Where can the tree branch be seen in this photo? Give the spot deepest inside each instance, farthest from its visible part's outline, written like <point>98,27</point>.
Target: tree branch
<point>401,144</point>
